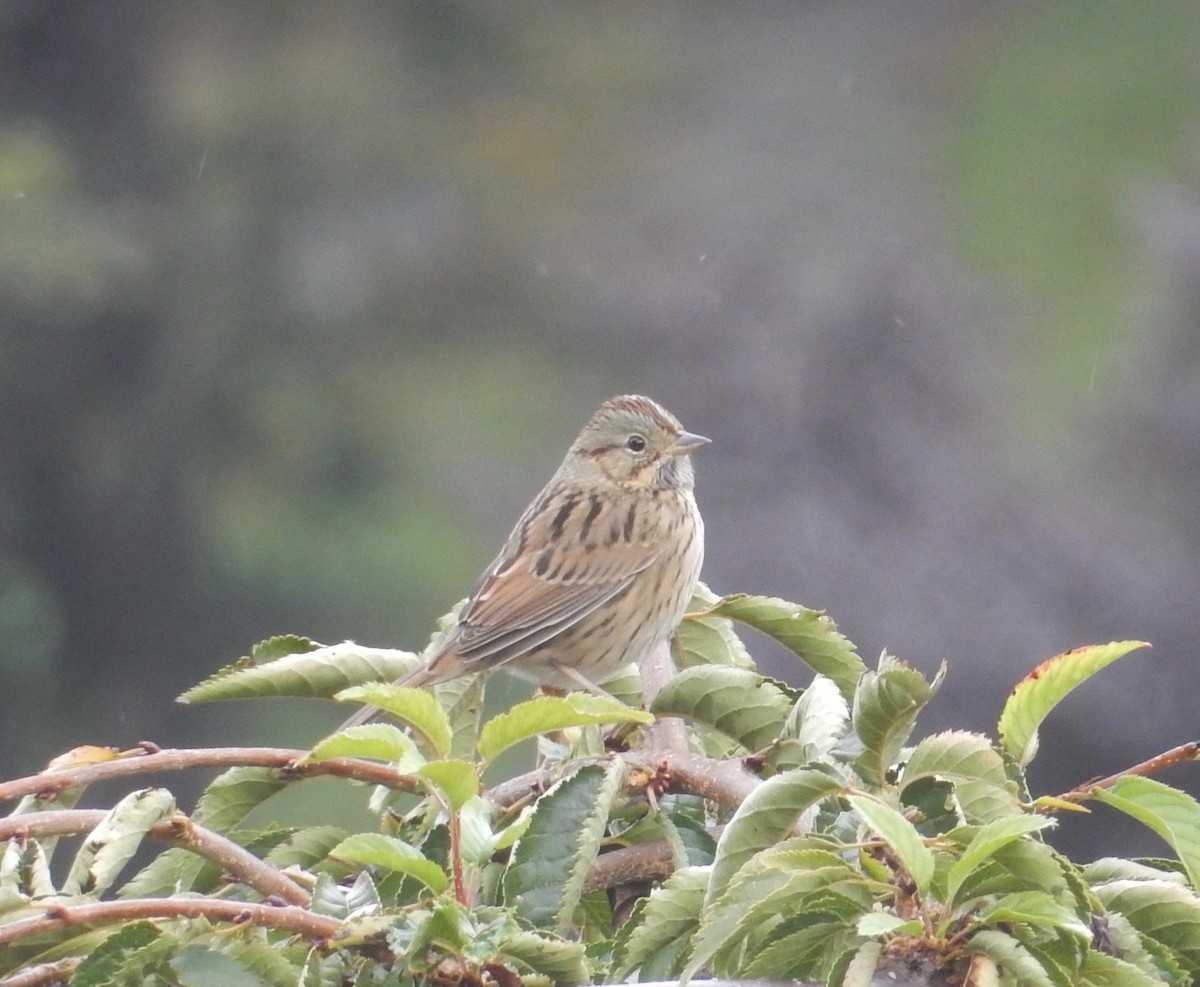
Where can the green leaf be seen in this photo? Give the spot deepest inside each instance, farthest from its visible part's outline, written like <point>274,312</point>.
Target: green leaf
<point>1045,687</point>
<point>305,847</point>
<point>380,741</point>
<point>886,704</point>
<point>741,704</point>
<point>173,871</point>
<point>989,839</point>
<point>477,840</point>
<point>462,699</point>
<point>661,923</point>
<point>1035,908</point>
<point>1172,814</point>
<point>114,841</point>
<point>860,966</point>
<point>545,876</point>
<point>457,780</point>
<point>809,945</point>
<point>545,714</point>
<point>418,708</point>
<point>102,964</point>
<point>814,886</point>
<point>233,794</point>
<point>1146,954</point>
<point>899,834</point>
<point>563,962</point>
<point>704,639</point>
<point>375,849</point>
<point>1101,970</point>
<point>310,671</point>
<point>819,719</point>
<point>766,817</point>
<point>876,924</point>
<point>200,966</point>
<point>1108,869</point>
<point>808,634</point>
<point>976,770</point>
<point>1161,911</point>
<point>1018,963</point>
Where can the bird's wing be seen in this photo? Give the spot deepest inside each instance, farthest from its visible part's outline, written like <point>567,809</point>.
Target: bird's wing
<point>548,577</point>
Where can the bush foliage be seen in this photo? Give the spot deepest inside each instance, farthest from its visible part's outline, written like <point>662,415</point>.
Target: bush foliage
<point>785,833</point>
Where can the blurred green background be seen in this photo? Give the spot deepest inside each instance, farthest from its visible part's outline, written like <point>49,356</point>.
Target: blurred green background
<point>302,302</point>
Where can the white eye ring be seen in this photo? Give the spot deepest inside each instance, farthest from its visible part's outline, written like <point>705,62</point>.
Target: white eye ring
<point>636,443</point>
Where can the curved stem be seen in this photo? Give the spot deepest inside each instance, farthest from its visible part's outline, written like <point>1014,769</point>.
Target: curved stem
<point>178,831</point>
<point>151,762</point>
<point>56,917</point>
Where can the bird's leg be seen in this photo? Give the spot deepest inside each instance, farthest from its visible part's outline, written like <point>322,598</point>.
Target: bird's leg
<point>584,682</point>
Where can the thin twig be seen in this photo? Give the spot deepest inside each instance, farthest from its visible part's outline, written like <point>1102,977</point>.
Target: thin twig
<point>1177,755</point>
<point>725,782</point>
<point>282,758</point>
<point>298,920</point>
<point>178,831</point>
<point>43,974</point>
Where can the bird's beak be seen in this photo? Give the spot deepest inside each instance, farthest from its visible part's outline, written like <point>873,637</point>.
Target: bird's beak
<point>686,442</point>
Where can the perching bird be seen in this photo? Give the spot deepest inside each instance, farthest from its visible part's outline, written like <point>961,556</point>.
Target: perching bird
<point>598,570</point>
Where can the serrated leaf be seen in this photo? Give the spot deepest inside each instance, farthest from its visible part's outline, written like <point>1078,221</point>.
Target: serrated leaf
<point>859,967</point>
<point>113,842</point>
<point>310,671</point>
<point>100,966</point>
<point>811,945</point>
<point>766,817</point>
<point>1035,908</point>
<point>899,834</point>
<point>1101,970</point>
<point>418,708</point>
<point>457,780</point>
<point>305,847</point>
<point>741,704</point>
<point>545,875</point>
<point>1016,960</point>
<point>1146,954</point>
<point>1108,869</point>
<point>477,840</point>
<point>233,794</point>
<point>1160,910</point>
<point>563,962</point>
<point>375,849</point>
<point>876,924</point>
<point>200,966</point>
<point>379,741</point>
<point>664,920</point>
<point>976,770</point>
<point>987,841</point>
<point>462,699</point>
<point>1172,814</point>
<point>886,704</point>
<point>545,714</point>
<point>1045,687</point>
<point>332,899</point>
<point>705,639</point>
<point>808,634</point>
<point>24,872</point>
<point>801,882</point>
<point>819,719</point>
<point>173,871</point>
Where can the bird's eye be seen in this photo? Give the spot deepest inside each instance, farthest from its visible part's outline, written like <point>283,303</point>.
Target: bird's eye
<point>635,443</point>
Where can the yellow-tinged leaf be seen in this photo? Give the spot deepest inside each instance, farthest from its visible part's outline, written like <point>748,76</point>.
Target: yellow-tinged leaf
<point>1045,687</point>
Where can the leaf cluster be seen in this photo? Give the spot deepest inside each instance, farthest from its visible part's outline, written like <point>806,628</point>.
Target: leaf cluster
<point>801,834</point>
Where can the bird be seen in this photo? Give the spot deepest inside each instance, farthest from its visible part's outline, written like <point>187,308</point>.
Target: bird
<point>598,570</point>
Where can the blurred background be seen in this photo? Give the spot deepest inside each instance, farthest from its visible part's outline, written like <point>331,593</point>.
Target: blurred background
<point>303,302</point>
